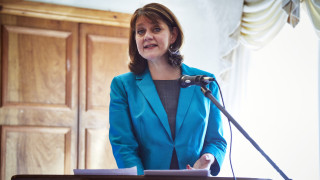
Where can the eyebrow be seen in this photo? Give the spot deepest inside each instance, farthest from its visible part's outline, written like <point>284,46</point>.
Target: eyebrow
<point>153,23</point>
<point>138,25</point>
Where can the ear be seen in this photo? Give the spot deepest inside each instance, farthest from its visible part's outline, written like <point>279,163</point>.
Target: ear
<point>174,35</point>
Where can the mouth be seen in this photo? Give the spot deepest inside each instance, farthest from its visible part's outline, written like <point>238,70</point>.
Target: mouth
<point>150,46</point>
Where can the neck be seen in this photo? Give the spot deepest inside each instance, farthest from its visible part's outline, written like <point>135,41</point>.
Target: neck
<point>163,71</point>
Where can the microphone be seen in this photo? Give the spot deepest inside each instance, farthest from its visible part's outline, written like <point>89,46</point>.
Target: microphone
<point>200,80</point>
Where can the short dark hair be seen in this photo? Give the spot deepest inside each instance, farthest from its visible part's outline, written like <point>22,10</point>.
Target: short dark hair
<point>154,12</point>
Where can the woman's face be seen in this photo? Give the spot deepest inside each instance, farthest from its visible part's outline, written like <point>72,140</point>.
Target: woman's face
<point>153,40</point>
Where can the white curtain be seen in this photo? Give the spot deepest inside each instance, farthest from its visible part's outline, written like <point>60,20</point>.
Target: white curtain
<point>261,21</point>
<point>313,9</point>
<point>292,8</point>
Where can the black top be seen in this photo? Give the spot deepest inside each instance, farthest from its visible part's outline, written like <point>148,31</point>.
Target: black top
<point>168,91</point>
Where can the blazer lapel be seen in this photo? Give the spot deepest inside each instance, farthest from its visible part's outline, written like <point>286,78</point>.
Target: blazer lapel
<point>185,98</point>
<point>148,89</point>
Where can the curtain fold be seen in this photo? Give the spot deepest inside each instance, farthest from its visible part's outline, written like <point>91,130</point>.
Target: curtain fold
<point>229,14</point>
<point>313,9</point>
<point>229,25</point>
<point>292,8</point>
<point>261,21</point>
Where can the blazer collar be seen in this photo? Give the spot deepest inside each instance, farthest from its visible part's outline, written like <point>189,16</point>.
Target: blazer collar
<point>148,89</point>
<point>185,98</point>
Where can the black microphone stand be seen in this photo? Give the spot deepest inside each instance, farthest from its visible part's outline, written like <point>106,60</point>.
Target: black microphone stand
<point>209,95</point>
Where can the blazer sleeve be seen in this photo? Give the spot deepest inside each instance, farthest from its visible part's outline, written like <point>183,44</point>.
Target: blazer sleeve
<point>121,132</point>
<point>214,142</point>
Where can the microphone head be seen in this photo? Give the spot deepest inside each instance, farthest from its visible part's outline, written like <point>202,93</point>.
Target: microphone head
<point>200,80</point>
<point>184,81</point>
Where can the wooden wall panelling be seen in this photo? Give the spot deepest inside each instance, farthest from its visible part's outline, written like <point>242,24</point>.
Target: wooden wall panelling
<point>31,69</point>
<point>39,87</point>
<point>10,1</point>
<point>103,55</point>
<point>39,150</point>
<point>65,13</point>
<point>40,79</point>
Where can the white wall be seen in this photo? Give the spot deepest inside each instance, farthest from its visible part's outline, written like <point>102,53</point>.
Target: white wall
<point>280,109</point>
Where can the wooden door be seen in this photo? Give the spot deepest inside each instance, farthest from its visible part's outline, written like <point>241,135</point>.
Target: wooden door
<point>103,55</point>
<point>38,112</point>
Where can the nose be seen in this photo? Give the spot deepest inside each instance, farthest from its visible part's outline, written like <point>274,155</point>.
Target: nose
<point>148,36</point>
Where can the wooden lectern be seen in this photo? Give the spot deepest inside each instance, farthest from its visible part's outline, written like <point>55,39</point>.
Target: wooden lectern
<point>121,177</point>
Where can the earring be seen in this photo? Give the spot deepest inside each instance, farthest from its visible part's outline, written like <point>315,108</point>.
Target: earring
<point>172,51</point>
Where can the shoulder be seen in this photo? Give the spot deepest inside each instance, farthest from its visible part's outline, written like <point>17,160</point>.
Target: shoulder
<point>126,77</point>
<point>187,70</point>
<point>191,71</point>
<point>123,80</point>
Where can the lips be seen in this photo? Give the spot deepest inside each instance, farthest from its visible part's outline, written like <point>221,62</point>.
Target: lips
<point>150,46</point>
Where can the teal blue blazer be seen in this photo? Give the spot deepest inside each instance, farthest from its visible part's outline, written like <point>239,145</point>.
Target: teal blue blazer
<point>139,129</point>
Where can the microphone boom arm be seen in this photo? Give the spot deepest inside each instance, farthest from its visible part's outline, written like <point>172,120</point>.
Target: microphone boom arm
<point>209,95</point>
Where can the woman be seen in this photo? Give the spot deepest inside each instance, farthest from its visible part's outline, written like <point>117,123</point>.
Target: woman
<point>153,123</point>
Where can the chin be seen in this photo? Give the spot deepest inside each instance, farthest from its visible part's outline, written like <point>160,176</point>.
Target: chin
<point>153,57</point>
<point>150,58</point>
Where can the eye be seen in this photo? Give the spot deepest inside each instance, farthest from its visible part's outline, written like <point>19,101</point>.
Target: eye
<point>157,29</point>
<point>140,31</point>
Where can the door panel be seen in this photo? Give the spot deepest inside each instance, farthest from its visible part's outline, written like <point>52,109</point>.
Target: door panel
<point>104,54</point>
<point>39,96</point>
<point>39,150</point>
<point>35,67</point>
<point>98,149</point>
